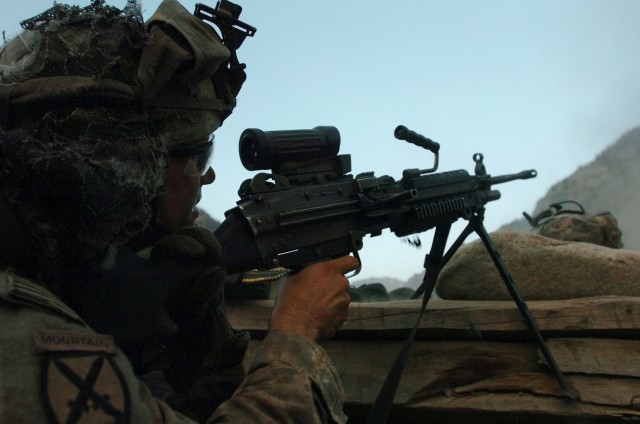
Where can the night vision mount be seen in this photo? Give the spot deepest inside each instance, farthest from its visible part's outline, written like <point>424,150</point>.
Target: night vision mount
<point>231,75</point>
<point>225,16</point>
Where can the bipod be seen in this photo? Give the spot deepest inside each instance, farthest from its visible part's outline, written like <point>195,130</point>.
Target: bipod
<point>379,412</point>
<point>434,261</point>
<point>567,389</point>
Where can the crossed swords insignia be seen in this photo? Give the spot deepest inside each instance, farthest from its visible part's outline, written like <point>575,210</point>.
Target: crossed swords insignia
<point>89,398</point>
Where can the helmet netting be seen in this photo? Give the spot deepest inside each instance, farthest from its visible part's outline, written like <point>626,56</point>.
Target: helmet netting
<point>98,41</point>
<point>77,198</point>
<point>80,173</point>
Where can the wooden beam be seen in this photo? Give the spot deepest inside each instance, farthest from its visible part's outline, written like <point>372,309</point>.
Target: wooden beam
<point>483,377</point>
<point>607,357</point>
<point>617,316</point>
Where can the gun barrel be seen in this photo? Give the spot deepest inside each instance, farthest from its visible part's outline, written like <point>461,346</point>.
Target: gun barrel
<point>523,175</point>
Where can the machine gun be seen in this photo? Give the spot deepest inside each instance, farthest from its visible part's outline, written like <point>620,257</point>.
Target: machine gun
<point>309,208</point>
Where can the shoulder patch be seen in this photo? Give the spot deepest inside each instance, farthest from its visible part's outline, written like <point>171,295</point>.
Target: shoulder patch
<point>84,387</point>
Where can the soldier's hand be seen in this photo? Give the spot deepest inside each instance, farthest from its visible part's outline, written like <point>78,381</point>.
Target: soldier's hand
<point>315,301</point>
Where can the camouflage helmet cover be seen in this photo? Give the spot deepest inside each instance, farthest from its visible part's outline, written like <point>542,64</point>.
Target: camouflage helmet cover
<point>187,108</point>
<point>85,98</point>
<point>171,73</point>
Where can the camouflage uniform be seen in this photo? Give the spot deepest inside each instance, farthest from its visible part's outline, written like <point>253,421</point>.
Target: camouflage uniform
<point>53,368</point>
<point>86,124</point>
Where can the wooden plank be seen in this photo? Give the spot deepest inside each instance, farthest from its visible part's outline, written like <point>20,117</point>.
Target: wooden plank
<point>470,320</point>
<point>514,404</point>
<point>598,390</point>
<point>597,356</point>
<point>459,369</point>
<point>433,368</point>
<point>450,378</point>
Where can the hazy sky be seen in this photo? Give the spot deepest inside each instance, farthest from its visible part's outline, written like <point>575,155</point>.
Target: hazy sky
<point>530,84</point>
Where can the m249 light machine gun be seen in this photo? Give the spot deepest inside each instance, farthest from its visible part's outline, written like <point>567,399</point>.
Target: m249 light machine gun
<point>309,208</point>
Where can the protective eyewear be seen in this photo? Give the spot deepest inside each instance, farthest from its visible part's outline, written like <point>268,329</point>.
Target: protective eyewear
<point>199,160</point>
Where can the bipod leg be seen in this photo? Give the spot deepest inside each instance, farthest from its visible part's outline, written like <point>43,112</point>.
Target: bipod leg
<point>379,412</point>
<point>567,389</point>
<point>470,228</point>
<point>434,261</point>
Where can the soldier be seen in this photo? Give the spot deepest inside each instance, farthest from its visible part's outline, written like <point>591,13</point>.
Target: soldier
<point>104,142</point>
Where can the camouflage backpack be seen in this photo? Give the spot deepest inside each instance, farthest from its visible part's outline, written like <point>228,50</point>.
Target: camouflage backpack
<point>575,224</point>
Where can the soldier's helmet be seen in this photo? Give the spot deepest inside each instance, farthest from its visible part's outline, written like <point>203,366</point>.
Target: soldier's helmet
<point>92,100</point>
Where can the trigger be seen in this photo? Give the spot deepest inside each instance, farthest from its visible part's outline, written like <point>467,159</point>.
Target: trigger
<point>358,269</point>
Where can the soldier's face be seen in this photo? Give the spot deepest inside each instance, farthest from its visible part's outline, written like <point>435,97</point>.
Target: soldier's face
<point>177,206</point>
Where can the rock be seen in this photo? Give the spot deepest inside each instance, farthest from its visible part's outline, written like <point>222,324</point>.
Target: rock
<point>401,293</point>
<point>374,292</point>
<point>542,268</point>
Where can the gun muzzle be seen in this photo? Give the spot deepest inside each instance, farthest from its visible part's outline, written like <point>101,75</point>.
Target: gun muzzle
<point>523,175</point>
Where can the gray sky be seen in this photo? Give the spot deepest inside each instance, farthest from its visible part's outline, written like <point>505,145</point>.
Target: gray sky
<point>546,85</point>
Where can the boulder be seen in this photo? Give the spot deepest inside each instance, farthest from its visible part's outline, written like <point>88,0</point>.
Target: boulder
<point>401,293</point>
<point>373,292</point>
<point>542,268</point>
